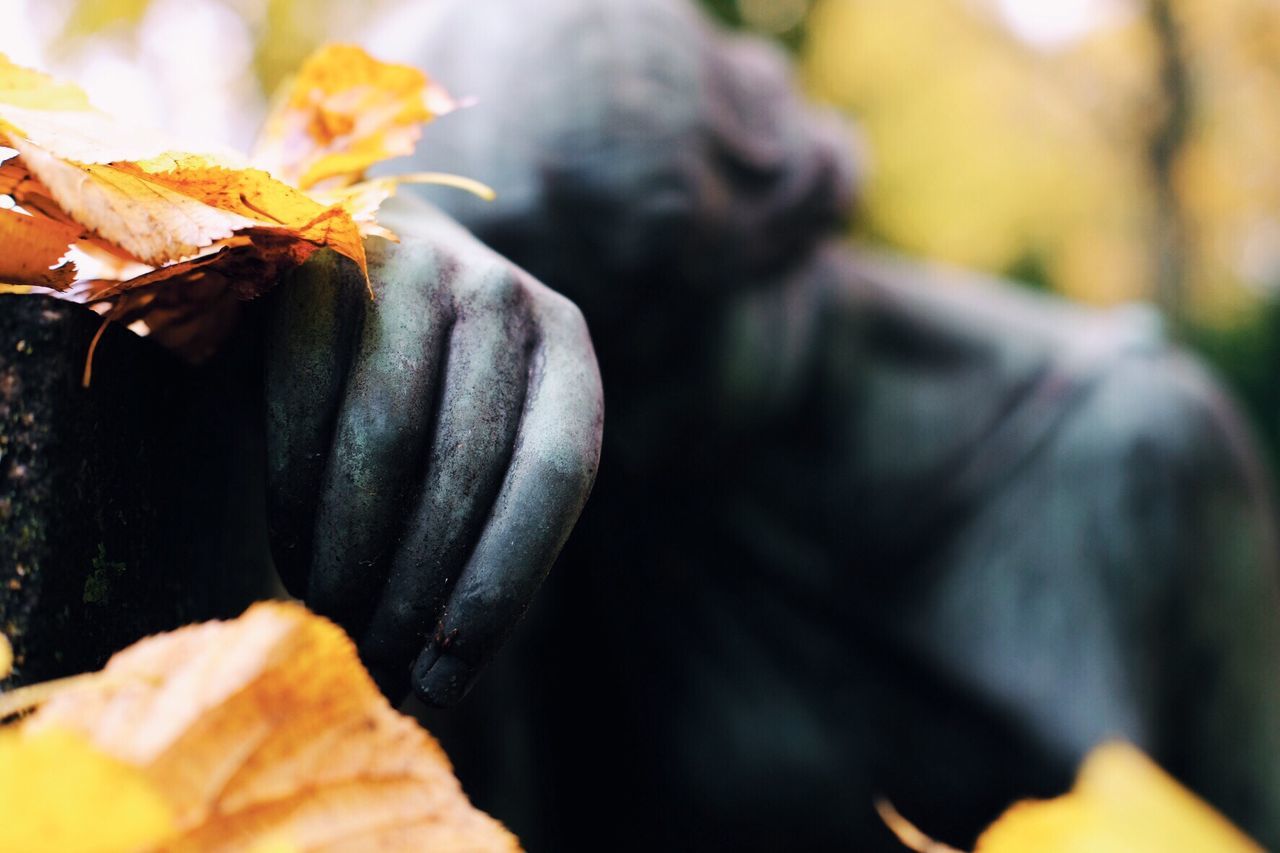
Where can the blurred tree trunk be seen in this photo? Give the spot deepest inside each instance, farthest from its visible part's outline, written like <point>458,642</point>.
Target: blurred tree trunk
<point>1170,237</point>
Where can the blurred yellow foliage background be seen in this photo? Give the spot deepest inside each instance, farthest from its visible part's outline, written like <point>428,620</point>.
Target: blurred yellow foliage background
<point>983,152</point>
<point>990,150</point>
<point>1107,150</point>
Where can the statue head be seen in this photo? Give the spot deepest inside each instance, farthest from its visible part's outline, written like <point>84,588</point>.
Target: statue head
<point>629,141</point>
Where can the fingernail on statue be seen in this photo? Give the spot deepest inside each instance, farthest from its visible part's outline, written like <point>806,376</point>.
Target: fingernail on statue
<point>441,677</point>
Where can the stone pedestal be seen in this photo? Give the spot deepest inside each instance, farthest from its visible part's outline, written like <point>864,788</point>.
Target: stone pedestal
<point>126,508</point>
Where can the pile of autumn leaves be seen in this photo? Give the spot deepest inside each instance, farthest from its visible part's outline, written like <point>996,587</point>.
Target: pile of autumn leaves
<point>117,217</point>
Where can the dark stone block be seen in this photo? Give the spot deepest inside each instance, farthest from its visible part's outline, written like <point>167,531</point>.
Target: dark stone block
<point>109,518</point>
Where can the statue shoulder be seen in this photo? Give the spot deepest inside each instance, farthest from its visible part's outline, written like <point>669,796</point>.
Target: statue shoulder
<point>975,317</point>
<point>962,378</point>
<point>1162,408</point>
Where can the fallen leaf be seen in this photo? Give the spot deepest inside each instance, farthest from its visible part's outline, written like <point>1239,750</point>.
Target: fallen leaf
<point>17,181</point>
<point>59,793</point>
<point>1123,802</point>
<point>34,251</point>
<point>344,112</point>
<point>130,192</point>
<point>149,221</point>
<point>267,727</point>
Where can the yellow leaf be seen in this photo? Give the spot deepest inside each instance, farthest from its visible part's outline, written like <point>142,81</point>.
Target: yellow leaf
<point>149,221</point>
<point>345,112</point>
<point>257,196</point>
<point>58,117</point>
<point>33,247</point>
<point>210,230</point>
<point>23,87</point>
<point>1121,802</point>
<point>266,728</point>
<point>59,793</point>
<point>160,217</point>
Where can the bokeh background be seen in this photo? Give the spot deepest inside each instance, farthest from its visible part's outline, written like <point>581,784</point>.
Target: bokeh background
<point>1107,150</point>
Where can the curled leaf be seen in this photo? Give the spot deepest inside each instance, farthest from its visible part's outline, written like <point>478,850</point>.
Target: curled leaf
<point>345,112</point>
<point>35,249</point>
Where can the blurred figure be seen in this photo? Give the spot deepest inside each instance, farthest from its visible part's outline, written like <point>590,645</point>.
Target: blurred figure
<point>861,528</point>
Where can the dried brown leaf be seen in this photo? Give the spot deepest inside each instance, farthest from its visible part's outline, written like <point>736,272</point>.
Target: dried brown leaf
<point>34,251</point>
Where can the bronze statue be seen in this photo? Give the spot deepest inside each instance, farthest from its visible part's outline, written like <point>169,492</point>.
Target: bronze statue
<point>862,527</point>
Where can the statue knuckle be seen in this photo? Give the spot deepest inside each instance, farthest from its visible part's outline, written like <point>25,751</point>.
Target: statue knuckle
<point>563,314</point>
<point>568,463</point>
<point>570,313</point>
<point>493,285</point>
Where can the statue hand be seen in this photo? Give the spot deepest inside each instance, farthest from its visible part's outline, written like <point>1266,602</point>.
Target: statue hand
<point>429,450</point>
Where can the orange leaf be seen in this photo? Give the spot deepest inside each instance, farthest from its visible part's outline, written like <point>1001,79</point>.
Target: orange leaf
<point>267,727</point>
<point>345,112</point>
<point>127,187</point>
<point>151,222</point>
<point>256,195</point>
<point>33,247</point>
<point>192,306</point>
<point>17,181</point>
<point>210,227</point>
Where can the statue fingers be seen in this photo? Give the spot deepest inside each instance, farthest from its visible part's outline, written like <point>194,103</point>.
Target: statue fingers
<point>482,394</point>
<point>552,468</point>
<point>313,320</point>
<point>383,431</point>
